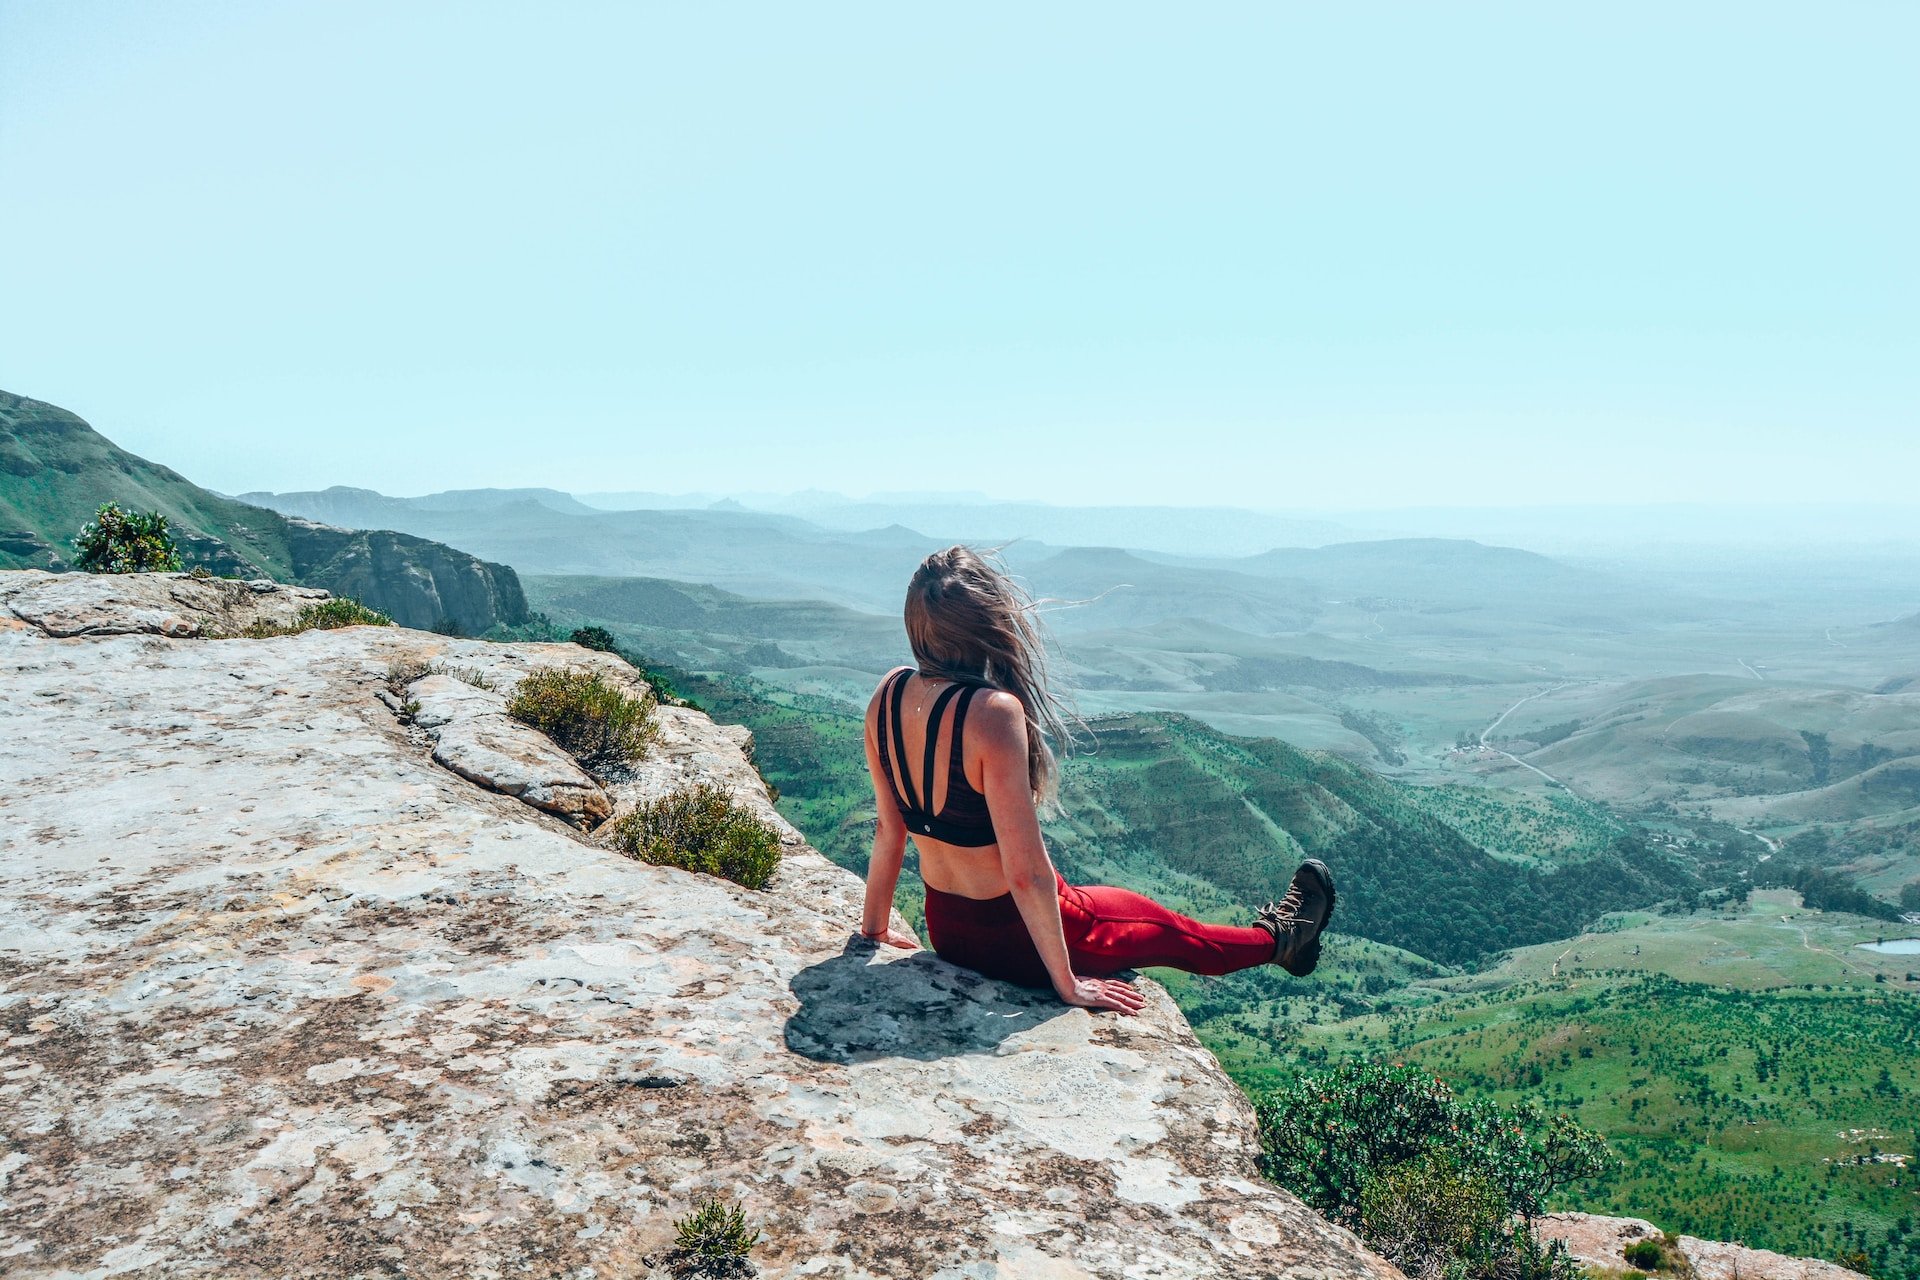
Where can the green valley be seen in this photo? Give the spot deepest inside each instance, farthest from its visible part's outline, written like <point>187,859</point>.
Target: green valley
<point>1757,1073</point>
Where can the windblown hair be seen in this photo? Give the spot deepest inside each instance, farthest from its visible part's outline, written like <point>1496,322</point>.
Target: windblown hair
<point>967,621</point>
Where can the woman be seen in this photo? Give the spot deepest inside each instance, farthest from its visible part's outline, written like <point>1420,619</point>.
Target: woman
<point>967,787</point>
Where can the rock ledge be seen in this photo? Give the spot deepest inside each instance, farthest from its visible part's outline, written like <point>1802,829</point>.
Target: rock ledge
<point>284,997</point>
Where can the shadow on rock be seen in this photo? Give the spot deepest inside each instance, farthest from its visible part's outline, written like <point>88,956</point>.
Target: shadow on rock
<point>859,1006</point>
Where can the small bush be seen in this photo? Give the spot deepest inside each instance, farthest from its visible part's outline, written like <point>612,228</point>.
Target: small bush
<point>1644,1254</point>
<point>328,615</point>
<point>700,828</point>
<point>474,676</point>
<point>117,541</point>
<point>713,1240</point>
<point>599,639</point>
<point>590,717</point>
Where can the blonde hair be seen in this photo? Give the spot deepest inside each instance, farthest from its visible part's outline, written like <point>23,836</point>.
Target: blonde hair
<point>967,621</point>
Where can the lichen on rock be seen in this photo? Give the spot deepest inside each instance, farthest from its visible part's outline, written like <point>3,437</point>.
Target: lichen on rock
<point>283,996</point>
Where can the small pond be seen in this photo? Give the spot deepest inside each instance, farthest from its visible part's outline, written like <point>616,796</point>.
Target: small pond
<point>1893,946</point>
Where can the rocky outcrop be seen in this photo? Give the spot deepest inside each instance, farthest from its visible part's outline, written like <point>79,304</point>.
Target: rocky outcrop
<point>282,996</point>
<point>176,605</point>
<point>416,582</point>
<point>475,738</point>
<point>1602,1242</point>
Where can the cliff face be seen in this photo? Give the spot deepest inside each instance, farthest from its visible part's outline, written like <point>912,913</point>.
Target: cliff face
<point>417,583</point>
<point>284,996</point>
<point>55,470</point>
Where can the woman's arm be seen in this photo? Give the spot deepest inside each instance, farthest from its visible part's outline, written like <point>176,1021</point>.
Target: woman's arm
<point>889,851</point>
<point>1002,738</point>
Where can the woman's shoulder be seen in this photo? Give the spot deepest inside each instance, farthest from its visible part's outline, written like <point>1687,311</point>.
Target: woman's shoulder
<point>998,713</point>
<point>885,680</point>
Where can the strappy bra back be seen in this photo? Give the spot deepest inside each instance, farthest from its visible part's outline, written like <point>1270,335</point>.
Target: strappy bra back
<point>963,818</point>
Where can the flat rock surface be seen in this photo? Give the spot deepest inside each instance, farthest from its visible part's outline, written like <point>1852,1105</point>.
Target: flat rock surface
<point>280,996</point>
<point>168,604</point>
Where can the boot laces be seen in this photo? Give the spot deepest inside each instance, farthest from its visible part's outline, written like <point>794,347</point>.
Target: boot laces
<point>1284,914</point>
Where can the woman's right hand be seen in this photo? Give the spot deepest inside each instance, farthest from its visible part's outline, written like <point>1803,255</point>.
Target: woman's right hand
<point>1104,993</point>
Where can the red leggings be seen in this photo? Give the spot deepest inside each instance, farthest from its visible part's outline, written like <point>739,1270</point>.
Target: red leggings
<point>1107,930</point>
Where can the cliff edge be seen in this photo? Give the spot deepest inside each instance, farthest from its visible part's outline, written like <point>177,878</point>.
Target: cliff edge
<point>285,996</point>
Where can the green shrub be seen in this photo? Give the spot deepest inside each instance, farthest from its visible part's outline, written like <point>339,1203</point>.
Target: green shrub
<point>599,639</point>
<point>713,1240</point>
<point>328,615</point>
<point>700,828</point>
<point>117,541</point>
<point>1454,1186</point>
<point>1644,1254</point>
<point>590,717</point>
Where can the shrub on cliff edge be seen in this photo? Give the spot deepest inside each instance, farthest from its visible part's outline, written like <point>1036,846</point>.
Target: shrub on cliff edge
<point>700,828</point>
<point>594,720</point>
<point>119,541</point>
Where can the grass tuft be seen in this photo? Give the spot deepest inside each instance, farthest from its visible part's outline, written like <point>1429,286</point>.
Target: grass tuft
<point>402,672</point>
<point>700,828</point>
<point>328,615</point>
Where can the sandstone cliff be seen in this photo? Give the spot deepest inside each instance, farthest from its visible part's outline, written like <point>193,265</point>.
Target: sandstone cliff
<point>284,996</point>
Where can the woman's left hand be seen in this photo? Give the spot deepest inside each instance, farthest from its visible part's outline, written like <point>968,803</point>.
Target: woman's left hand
<point>894,938</point>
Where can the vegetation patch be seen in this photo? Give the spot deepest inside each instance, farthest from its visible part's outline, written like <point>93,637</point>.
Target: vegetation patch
<point>328,615</point>
<point>1437,1185</point>
<point>590,717</point>
<point>700,828</point>
<point>1784,1118</point>
<point>402,672</point>
<point>119,541</point>
<point>713,1241</point>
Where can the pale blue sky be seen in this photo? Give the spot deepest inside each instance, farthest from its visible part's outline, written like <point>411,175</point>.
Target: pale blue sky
<point>1292,256</point>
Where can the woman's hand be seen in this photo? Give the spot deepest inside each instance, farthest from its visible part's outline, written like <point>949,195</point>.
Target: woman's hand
<point>893,937</point>
<point>1104,993</point>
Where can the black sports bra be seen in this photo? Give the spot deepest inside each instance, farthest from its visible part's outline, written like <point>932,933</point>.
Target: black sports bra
<point>963,820</point>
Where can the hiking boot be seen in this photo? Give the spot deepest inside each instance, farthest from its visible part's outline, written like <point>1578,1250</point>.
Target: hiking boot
<point>1296,921</point>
